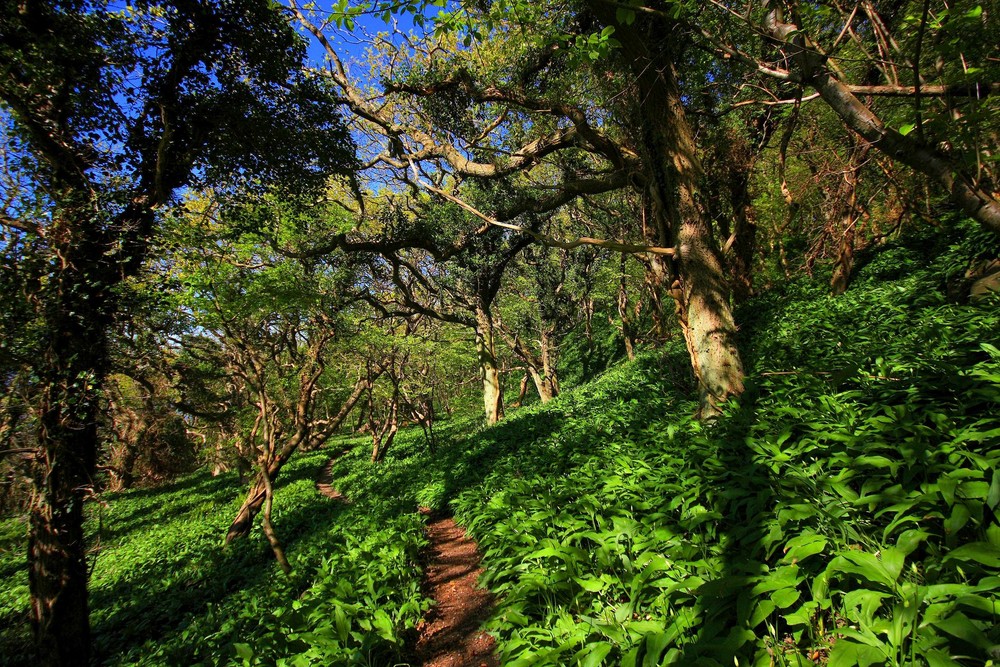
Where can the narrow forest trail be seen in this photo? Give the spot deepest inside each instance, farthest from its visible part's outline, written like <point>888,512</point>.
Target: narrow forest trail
<point>324,484</point>
<point>450,635</point>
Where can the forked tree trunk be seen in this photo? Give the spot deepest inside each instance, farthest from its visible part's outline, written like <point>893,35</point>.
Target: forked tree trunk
<point>545,385</point>
<point>488,369</point>
<point>846,220</point>
<point>383,437</point>
<point>656,283</point>
<point>541,367</point>
<point>308,438</point>
<point>627,323</point>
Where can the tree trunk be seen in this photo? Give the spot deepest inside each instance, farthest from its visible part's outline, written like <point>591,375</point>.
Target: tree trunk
<point>382,439</point>
<point>674,175</point>
<point>544,385</point>
<point>846,220</point>
<point>744,239</point>
<point>550,373</point>
<point>628,326</point>
<point>488,370</point>
<point>311,438</point>
<point>255,499</point>
<point>522,390</point>
<point>272,536</point>
<point>70,371</point>
<point>707,320</point>
<point>656,281</point>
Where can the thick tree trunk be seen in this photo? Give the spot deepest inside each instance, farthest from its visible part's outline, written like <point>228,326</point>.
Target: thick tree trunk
<point>488,370</point>
<point>545,385</point>
<point>707,320</point>
<point>255,499</point>
<point>550,378</point>
<point>674,174</point>
<point>70,372</point>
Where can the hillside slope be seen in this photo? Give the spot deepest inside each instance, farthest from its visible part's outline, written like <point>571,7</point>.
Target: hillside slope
<point>843,511</point>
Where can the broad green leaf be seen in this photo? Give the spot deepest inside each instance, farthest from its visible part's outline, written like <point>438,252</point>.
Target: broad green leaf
<point>785,597</point>
<point>980,552</point>
<point>863,565</point>
<point>803,546</point>
<point>993,497</point>
<point>868,601</point>
<point>783,577</point>
<point>959,625</point>
<point>593,655</point>
<point>909,540</point>
<point>846,653</point>
<point>937,658</point>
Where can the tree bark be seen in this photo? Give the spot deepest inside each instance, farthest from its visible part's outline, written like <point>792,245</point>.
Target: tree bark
<point>70,373</point>
<point>272,536</point>
<point>383,437</point>
<point>701,289</point>
<point>257,495</point>
<point>488,370</point>
<point>627,324</point>
<point>846,219</point>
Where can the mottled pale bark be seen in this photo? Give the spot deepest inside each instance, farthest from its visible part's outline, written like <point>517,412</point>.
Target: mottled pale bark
<point>488,370</point>
<point>674,174</point>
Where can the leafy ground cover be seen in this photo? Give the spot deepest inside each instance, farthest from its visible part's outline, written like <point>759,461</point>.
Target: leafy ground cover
<point>164,592</point>
<point>842,512</point>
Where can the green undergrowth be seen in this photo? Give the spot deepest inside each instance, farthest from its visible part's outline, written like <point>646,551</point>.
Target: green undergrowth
<point>164,592</point>
<point>843,511</point>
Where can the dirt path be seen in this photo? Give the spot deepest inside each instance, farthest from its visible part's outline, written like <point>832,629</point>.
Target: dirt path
<point>323,484</point>
<point>449,636</point>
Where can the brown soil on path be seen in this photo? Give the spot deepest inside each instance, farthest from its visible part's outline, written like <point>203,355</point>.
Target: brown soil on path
<point>449,635</point>
<point>324,483</point>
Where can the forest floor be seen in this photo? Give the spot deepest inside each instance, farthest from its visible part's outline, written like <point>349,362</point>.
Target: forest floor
<point>450,635</point>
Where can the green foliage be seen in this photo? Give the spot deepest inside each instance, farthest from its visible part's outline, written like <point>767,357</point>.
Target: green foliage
<point>843,511</point>
<point>164,592</point>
